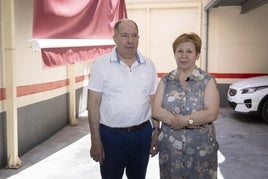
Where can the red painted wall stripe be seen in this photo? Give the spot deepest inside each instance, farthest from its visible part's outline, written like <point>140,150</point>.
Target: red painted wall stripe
<point>42,87</point>
<point>229,75</point>
<point>237,75</point>
<point>2,94</point>
<point>81,78</point>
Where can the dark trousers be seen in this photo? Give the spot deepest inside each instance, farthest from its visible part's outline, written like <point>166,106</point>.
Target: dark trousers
<point>125,151</point>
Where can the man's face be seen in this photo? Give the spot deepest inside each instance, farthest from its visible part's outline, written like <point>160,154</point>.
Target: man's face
<point>126,39</point>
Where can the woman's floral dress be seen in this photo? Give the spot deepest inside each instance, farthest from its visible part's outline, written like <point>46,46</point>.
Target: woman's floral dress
<point>187,153</point>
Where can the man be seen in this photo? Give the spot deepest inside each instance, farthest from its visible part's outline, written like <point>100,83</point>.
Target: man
<point>122,85</point>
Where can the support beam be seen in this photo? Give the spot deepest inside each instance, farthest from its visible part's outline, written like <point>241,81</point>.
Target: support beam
<point>211,4</point>
<point>252,4</point>
<point>71,90</point>
<point>10,82</point>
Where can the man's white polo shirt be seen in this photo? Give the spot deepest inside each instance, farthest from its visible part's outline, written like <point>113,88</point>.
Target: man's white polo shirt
<point>125,91</point>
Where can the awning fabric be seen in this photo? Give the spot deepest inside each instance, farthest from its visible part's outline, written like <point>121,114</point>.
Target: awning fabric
<point>72,19</point>
<point>53,57</point>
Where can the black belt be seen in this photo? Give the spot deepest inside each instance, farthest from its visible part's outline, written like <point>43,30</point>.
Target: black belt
<point>132,128</point>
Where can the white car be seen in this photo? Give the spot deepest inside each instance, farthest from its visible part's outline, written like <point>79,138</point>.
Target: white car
<point>250,96</point>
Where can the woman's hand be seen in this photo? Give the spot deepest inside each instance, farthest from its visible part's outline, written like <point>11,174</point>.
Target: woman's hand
<point>178,122</point>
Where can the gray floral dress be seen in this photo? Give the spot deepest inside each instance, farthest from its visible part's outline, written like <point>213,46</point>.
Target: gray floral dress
<point>187,153</point>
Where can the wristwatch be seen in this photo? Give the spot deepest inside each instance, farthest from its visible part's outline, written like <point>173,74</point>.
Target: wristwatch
<point>190,121</point>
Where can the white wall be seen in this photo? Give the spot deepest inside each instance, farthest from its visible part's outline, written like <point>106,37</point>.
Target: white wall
<point>160,24</point>
<point>29,69</point>
<point>29,64</point>
<point>2,86</point>
<point>238,43</point>
<point>157,35</point>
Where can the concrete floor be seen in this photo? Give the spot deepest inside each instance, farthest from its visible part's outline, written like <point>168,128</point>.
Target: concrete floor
<point>243,152</point>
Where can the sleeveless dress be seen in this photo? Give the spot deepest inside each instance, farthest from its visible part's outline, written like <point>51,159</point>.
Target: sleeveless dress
<point>187,153</point>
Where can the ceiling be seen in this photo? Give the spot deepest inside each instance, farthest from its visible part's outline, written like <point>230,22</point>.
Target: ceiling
<point>246,5</point>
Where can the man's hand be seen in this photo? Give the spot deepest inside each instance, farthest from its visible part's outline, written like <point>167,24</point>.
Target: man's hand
<point>97,152</point>
<point>154,143</point>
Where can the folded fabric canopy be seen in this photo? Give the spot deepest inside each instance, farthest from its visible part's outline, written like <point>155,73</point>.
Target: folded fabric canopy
<point>67,19</point>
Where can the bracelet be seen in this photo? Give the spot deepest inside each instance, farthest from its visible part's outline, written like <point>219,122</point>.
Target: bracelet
<point>157,128</point>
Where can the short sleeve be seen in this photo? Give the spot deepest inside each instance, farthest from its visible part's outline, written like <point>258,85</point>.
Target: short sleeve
<point>96,77</point>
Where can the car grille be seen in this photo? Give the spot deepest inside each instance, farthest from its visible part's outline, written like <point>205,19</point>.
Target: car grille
<point>248,103</point>
<point>232,105</point>
<point>232,92</point>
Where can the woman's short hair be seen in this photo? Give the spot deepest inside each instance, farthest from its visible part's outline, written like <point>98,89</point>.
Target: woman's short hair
<point>191,37</point>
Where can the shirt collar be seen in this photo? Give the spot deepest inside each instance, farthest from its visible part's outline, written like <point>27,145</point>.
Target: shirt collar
<point>115,57</point>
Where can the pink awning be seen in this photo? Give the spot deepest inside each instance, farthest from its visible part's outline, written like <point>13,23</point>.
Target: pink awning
<point>63,56</point>
<point>72,19</point>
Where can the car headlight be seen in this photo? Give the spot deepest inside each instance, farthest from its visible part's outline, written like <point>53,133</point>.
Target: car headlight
<point>232,92</point>
<point>252,89</point>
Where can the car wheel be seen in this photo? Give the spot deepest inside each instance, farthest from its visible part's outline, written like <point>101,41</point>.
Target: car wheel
<point>264,111</point>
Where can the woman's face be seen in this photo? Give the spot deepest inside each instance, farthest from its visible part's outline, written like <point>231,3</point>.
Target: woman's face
<point>186,56</point>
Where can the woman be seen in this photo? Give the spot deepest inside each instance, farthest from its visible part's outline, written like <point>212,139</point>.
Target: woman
<point>187,102</point>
